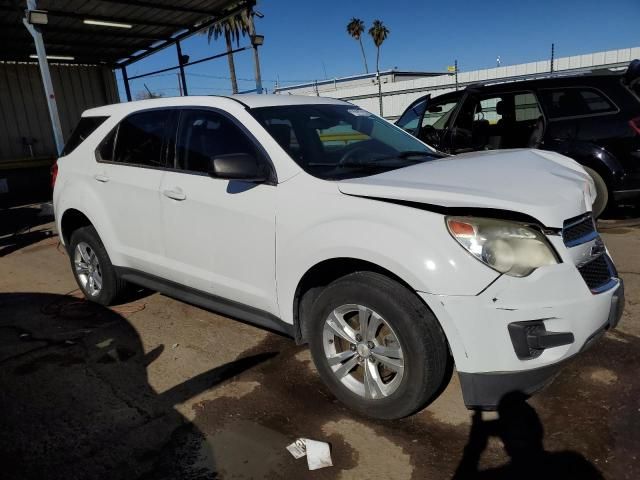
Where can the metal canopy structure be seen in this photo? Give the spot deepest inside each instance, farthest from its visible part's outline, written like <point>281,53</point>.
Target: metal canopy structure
<point>154,25</point>
<point>109,33</point>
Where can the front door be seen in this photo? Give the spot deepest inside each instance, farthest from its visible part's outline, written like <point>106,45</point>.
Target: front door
<point>219,235</point>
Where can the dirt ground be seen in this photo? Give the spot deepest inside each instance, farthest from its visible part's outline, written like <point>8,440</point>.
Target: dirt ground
<point>158,389</point>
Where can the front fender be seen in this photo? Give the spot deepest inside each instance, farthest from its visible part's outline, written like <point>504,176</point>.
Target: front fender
<point>411,243</point>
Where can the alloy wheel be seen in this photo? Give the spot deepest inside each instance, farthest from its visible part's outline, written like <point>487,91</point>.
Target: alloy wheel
<point>88,269</point>
<point>363,351</point>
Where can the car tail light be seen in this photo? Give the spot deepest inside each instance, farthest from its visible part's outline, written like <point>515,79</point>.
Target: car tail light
<point>634,123</point>
<point>54,174</point>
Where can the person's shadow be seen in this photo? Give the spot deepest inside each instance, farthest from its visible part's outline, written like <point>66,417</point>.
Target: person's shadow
<point>521,432</point>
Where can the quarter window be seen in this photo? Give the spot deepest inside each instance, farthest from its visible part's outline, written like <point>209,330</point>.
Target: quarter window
<point>85,127</point>
<point>140,138</point>
<point>205,134</point>
<point>573,102</point>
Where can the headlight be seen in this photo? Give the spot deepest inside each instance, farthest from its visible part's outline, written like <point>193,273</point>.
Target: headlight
<point>508,247</point>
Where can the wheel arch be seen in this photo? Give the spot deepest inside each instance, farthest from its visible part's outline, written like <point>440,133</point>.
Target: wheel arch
<point>71,220</point>
<point>317,277</point>
<point>600,160</point>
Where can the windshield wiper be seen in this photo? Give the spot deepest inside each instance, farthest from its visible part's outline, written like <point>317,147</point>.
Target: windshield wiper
<point>407,154</point>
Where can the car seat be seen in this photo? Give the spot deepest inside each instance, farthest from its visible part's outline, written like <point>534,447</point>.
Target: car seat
<point>535,140</point>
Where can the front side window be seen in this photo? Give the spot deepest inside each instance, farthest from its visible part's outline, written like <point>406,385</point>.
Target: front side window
<point>437,114</point>
<point>140,138</point>
<point>341,141</point>
<point>204,134</point>
<point>575,102</point>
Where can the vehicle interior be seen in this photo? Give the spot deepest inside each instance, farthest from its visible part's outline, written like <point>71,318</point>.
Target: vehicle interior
<point>339,142</point>
<point>496,121</point>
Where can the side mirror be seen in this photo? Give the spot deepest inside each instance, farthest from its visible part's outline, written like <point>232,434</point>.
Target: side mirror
<point>238,166</point>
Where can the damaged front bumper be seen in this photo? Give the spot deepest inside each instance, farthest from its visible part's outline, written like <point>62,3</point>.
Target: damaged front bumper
<point>518,333</point>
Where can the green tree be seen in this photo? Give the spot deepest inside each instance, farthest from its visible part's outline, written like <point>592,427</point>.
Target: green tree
<point>379,34</point>
<point>232,28</point>
<point>355,28</point>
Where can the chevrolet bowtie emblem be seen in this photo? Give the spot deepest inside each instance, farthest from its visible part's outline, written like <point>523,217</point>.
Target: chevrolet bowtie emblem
<point>597,248</point>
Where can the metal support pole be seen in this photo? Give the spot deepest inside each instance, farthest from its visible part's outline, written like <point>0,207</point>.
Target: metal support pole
<point>256,57</point>
<point>379,91</point>
<point>456,68</point>
<point>256,65</point>
<point>46,79</point>
<point>553,51</point>
<point>125,79</point>
<point>183,79</point>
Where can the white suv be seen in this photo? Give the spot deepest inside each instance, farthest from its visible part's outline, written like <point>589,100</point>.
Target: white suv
<point>314,218</point>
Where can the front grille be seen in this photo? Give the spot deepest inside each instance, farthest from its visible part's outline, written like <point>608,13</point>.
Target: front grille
<point>579,230</point>
<point>597,272</point>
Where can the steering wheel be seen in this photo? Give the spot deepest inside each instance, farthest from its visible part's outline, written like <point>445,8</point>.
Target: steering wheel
<point>347,156</point>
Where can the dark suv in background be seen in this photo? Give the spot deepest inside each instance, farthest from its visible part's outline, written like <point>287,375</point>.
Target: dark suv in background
<point>593,118</point>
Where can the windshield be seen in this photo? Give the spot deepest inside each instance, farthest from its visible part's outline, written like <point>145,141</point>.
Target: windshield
<point>341,141</point>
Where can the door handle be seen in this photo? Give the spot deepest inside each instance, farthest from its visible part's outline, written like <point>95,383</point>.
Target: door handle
<point>101,178</point>
<point>175,195</point>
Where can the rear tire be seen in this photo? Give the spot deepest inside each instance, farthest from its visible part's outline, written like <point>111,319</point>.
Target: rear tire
<point>397,324</point>
<point>92,267</point>
<point>602,191</point>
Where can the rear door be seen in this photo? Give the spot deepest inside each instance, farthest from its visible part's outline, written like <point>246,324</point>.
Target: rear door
<point>131,162</point>
<point>219,235</point>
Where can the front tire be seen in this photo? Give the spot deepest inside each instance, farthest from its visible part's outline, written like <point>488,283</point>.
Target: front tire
<point>378,348</point>
<point>92,267</point>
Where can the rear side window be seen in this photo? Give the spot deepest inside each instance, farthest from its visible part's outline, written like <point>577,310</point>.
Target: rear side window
<point>574,102</point>
<point>139,139</point>
<point>526,107</point>
<point>85,127</point>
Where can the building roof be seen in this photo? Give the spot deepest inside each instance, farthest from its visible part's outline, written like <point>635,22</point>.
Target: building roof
<point>155,24</point>
<point>361,76</point>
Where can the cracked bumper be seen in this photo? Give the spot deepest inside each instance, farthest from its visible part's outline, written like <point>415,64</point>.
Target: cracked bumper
<point>478,334</point>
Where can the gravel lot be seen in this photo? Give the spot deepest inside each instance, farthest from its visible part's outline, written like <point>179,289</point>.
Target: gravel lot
<point>156,389</point>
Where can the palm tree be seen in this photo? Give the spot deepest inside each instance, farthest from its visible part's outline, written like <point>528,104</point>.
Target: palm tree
<point>379,34</point>
<point>355,28</point>
<point>232,28</point>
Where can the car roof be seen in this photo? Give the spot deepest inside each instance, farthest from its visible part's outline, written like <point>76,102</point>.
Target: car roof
<point>247,100</point>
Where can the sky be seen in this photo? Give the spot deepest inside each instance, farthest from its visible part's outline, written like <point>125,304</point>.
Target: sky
<point>307,40</point>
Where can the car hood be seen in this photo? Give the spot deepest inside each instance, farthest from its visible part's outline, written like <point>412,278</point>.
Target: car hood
<point>544,185</point>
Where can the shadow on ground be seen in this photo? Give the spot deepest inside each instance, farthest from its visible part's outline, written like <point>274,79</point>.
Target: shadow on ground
<point>19,227</point>
<point>583,426</point>
<point>75,399</point>
<point>520,429</point>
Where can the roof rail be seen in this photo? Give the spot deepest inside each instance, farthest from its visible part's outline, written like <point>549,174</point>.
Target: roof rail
<point>548,75</point>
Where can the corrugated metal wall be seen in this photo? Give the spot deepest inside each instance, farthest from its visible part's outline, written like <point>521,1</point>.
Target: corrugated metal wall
<point>23,106</point>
